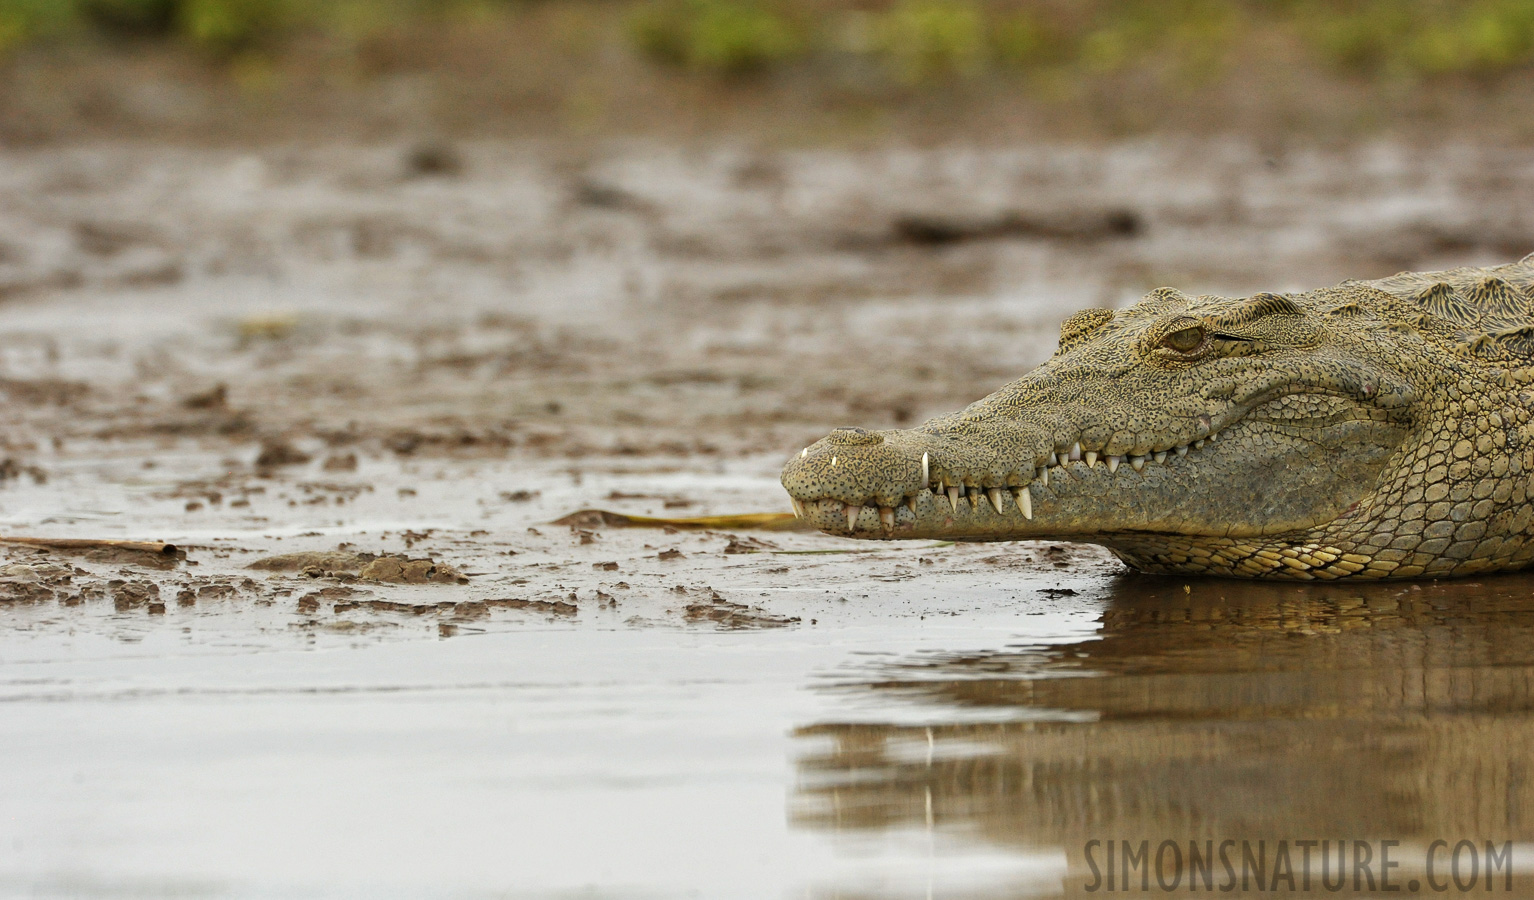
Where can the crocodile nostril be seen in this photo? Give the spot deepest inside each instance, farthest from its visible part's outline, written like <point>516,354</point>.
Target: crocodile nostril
<point>852,437</point>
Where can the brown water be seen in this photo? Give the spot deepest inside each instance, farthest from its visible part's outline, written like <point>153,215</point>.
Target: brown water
<point>427,366</point>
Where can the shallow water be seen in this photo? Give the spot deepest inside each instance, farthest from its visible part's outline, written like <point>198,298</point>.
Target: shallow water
<point>451,364</point>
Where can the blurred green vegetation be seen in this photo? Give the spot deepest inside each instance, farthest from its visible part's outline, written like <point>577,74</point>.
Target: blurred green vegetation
<point>913,42</point>
<point>727,36</point>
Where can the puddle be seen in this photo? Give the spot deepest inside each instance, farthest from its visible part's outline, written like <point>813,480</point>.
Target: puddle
<point>297,353</point>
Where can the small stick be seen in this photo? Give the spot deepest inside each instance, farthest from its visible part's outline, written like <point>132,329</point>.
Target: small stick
<point>157,547</point>
<point>597,518</point>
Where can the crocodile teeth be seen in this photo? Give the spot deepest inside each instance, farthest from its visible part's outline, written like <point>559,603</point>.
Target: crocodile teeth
<point>803,453</point>
<point>887,518</point>
<point>852,516</point>
<point>1074,454</point>
<point>953,497</point>
<point>910,503</point>
<point>1024,502</point>
<point>995,495</point>
<point>925,473</point>
<point>1113,463</point>
<point>1044,477</point>
<point>1160,456</point>
<point>1091,458</point>
<point>833,462</point>
<point>799,512</point>
<point>1137,463</point>
<point>1198,444</point>
<point>1209,436</point>
<point>1054,459</point>
<point>1182,450</point>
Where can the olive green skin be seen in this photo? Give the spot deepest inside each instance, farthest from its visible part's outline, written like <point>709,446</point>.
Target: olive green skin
<point>1370,430</point>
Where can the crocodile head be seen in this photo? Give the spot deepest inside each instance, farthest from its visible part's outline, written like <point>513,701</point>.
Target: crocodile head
<point>1169,431</point>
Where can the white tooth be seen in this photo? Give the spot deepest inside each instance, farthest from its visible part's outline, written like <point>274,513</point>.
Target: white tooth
<point>910,504</point>
<point>1074,454</point>
<point>1113,463</point>
<point>1198,444</point>
<point>1091,458</point>
<point>953,497</point>
<point>887,518</point>
<point>925,471</point>
<point>1044,477</point>
<point>803,453</point>
<point>1138,463</point>
<point>1160,456</point>
<point>852,516</point>
<point>1054,459</point>
<point>833,462</point>
<point>1182,450</point>
<point>995,495</point>
<point>798,508</point>
<point>1210,436</point>
<point>1024,502</point>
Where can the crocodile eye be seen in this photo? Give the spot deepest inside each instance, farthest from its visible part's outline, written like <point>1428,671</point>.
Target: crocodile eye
<point>1185,340</point>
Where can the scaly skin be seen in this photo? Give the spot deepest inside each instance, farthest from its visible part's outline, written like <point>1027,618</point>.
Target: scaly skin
<point>1372,430</point>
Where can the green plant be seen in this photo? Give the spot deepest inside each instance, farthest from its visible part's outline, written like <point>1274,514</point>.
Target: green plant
<point>926,40</point>
<point>726,36</point>
<point>1488,37</point>
<point>22,21</point>
<point>1022,39</point>
<point>131,16</point>
<point>231,26</point>
<point>1423,38</point>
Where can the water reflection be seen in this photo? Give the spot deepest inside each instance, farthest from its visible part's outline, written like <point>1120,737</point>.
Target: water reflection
<point>1205,710</point>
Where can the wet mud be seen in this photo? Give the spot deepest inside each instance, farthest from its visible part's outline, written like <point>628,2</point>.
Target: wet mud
<point>318,414</point>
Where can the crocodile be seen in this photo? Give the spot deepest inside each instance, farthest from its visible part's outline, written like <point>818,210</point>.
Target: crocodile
<point>1375,429</point>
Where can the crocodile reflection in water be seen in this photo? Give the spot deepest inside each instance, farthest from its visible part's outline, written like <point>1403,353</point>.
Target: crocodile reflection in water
<point>1237,710</point>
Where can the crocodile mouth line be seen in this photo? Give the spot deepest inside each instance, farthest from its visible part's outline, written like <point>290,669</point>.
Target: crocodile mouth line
<point>952,496</point>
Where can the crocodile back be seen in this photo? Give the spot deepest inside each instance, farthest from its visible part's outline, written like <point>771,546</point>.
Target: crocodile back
<point>1488,306</point>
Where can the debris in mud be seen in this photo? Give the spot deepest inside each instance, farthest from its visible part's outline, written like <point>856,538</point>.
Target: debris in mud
<point>399,570</point>
<point>552,607</point>
<point>43,572</point>
<point>340,462</point>
<point>600,195</point>
<point>433,158</point>
<point>216,397</point>
<point>748,545</point>
<point>390,606</point>
<point>43,391</point>
<point>145,553</point>
<point>11,469</point>
<point>129,595</point>
<point>310,602</point>
<point>25,592</point>
<point>1089,224</point>
<point>32,582</point>
<point>668,555</point>
<point>320,562</point>
<point>275,453</point>
<point>734,616</point>
<point>266,328</point>
<point>519,496</point>
<point>363,566</point>
<point>598,518</point>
